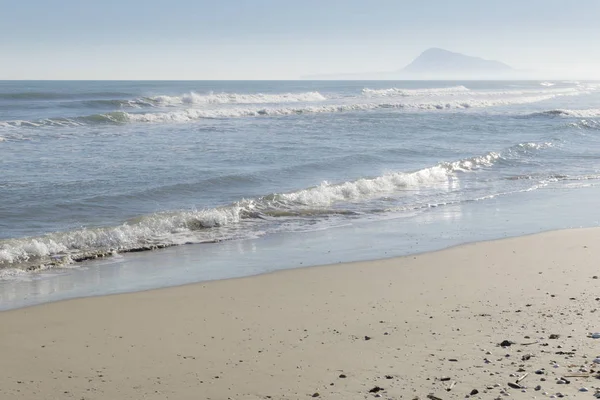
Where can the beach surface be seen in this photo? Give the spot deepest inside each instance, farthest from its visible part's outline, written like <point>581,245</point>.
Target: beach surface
<point>422,326</point>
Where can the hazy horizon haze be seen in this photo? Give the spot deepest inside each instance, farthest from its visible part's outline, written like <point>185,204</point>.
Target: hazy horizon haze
<point>265,39</point>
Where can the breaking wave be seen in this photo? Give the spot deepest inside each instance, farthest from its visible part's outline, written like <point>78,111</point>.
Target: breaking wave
<point>192,114</point>
<point>454,90</point>
<point>223,223</point>
<point>586,124</point>
<point>232,98</point>
<point>461,90</point>
<point>589,113</point>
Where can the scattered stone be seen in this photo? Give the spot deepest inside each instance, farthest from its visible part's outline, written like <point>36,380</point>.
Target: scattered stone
<point>376,389</point>
<point>453,360</point>
<point>537,388</point>
<point>540,371</point>
<point>389,377</point>
<point>506,343</point>
<point>595,335</point>
<point>367,337</point>
<point>444,378</point>
<point>515,385</point>
<point>554,336</point>
<point>474,392</point>
<point>315,394</point>
<point>342,376</point>
<point>526,357</point>
<point>583,389</point>
<point>595,277</point>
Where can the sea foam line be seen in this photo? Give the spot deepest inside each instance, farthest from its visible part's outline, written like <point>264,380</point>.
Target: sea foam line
<point>193,114</point>
<point>222,223</point>
<point>587,113</point>
<point>233,98</point>
<point>447,91</point>
<point>463,91</point>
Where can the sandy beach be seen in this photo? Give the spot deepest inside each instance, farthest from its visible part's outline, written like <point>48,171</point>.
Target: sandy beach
<point>424,326</point>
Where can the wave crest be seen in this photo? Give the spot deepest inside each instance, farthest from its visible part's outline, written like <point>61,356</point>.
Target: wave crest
<point>454,90</point>
<point>588,113</point>
<point>222,223</point>
<point>232,98</point>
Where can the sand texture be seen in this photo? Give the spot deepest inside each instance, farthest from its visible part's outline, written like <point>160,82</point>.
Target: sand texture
<point>401,328</point>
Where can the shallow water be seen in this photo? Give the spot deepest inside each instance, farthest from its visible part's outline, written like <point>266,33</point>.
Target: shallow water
<point>100,168</point>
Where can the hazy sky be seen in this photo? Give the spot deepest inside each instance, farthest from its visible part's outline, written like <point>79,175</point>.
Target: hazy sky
<point>279,39</point>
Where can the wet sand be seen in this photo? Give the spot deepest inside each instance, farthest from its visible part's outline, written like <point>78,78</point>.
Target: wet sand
<point>399,328</point>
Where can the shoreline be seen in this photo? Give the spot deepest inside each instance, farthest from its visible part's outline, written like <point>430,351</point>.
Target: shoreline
<point>276,271</point>
<point>434,230</point>
<point>401,324</point>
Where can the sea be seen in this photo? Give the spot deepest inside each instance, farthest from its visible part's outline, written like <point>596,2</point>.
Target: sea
<point>116,186</point>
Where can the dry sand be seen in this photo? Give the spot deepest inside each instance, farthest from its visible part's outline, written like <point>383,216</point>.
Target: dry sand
<point>334,332</point>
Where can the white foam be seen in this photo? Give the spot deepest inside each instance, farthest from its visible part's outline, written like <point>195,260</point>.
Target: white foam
<point>534,146</point>
<point>464,92</point>
<point>470,164</point>
<point>178,227</point>
<point>173,228</point>
<point>589,113</point>
<point>586,124</point>
<point>547,84</point>
<point>182,115</point>
<point>327,194</point>
<point>235,98</point>
<point>454,90</point>
<point>192,114</point>
<point>155,229</point>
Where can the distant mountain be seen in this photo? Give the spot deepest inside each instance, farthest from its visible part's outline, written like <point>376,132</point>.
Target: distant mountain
<point>442,62</point>
<point>438,63</point>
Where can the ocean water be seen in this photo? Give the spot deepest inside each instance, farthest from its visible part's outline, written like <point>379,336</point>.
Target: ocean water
<point>101,169</point>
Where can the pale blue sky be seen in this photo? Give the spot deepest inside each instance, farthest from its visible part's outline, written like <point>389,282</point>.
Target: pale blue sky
<point>279,39</point>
